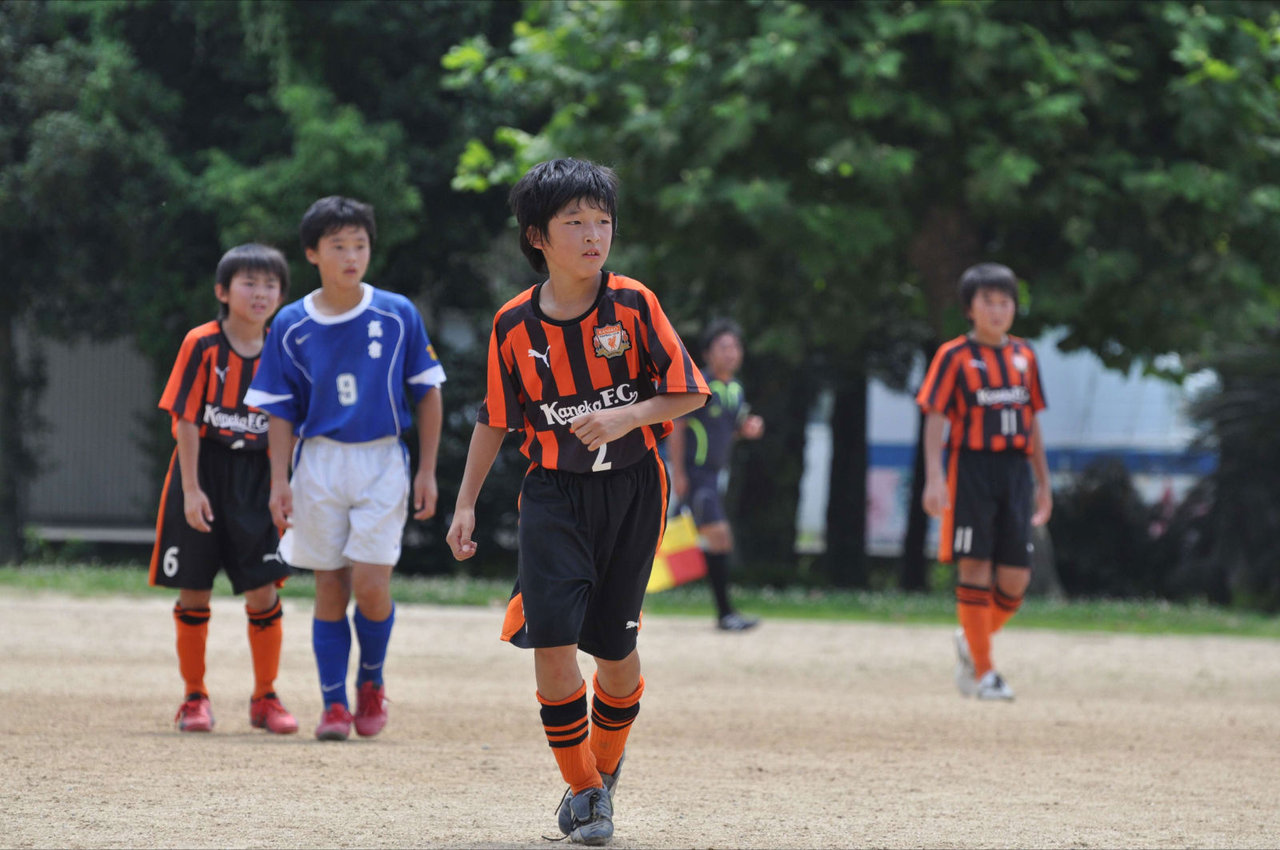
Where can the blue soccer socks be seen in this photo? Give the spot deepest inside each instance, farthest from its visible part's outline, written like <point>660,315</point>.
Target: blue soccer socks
<point>331,641</point>
<point>373,637</point>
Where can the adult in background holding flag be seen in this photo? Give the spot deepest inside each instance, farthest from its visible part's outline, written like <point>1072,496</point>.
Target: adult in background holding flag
<point>698,457</point>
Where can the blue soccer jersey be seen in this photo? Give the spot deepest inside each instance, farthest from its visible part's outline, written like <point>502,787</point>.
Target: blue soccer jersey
<point>344,377</point>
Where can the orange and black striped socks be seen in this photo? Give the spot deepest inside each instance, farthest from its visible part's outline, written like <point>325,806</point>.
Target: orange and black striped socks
<point>192,626</point>
<point>1005,606</point>
<point>973,609</point>
<point>265,637</point>
<point>565,722</point>
<point>611,719</point>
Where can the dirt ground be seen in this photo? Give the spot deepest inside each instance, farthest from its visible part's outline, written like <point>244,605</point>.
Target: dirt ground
<point>794,735</point>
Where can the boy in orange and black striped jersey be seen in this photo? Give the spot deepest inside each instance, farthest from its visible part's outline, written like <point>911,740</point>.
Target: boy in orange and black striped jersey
<point>213,509</point>
<point>986,385</point>
<point>588,369</point>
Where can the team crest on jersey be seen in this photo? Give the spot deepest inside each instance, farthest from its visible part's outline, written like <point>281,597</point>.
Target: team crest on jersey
<point>611,340</point>
<point>1020,362</point>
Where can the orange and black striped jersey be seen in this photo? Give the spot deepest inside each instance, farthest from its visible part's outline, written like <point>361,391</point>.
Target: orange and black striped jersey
<point>543,373</point>
<point>207,387</point>
<point>990,394</point>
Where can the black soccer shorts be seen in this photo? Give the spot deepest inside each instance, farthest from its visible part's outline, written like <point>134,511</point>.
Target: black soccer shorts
<point>587,542</point>
<point>243,538</point>
<point>991,505</point>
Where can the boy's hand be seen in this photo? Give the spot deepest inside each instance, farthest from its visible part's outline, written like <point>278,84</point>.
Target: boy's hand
<point>936,499</point>
<point>459,536</point>
<point>281,504</point>
<point>752,427</point>
<point>679,482</point>
<point>195,504</point>
<point>425,495</point>
<point>601,426</point>
<point>1044,504</point>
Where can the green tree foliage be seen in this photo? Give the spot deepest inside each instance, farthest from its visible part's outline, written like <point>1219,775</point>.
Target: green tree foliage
<point>824,171</point>
<point>149,137</point>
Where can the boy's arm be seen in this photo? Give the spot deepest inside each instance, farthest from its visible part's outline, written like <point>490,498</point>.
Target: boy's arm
<point>486,440</point>
<point>430,416</point>
<point>1040,466</point>
<point>603,426</point>
<point>195,504</point>
<point>935,499</point>
<point>280,446</point>
<point>675,458</point>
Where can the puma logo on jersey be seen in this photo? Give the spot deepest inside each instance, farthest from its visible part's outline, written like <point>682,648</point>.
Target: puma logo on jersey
<point>542,356</point>
<point>632,624</point>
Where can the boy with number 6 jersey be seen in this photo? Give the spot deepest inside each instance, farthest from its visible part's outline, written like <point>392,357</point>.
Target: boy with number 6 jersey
<point>337,375</point>
<point>589,371</point>
<point>986,386</point>
<point>213,509</point>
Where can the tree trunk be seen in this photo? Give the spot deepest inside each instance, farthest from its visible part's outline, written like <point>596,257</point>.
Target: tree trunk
<point>915,575</point>
<point>846,556</point>
<point>13,455</point>
<point>764,487</point>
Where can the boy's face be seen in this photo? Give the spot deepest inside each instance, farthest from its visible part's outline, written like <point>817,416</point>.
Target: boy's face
<point>251,296</point>
<point>341,257</point>
<point>578,240</point>
<point>724,355</point>
<point>992,312</point>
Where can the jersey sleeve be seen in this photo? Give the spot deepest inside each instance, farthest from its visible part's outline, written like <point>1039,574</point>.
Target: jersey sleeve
<point>188,380</point>
<point>1038,399</point>
<point>670,366</point>
<point>937,391</point>
<point>277,387</point>
<point>503,405</point>
<point>422,368</point>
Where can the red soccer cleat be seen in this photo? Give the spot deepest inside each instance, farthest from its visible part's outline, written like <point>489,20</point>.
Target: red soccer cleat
<point>266,712</point>
<point>371,709</point>
<point>335,724</point>
<point>195,715</point>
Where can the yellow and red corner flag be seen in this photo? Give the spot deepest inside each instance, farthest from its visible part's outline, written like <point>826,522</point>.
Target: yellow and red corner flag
<point>679,558</point>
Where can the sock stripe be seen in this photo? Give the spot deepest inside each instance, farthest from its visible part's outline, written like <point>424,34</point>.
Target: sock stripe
<point>191,616</point>
<point>971,595</point>
<point>1006,602</point>
<point>263,619</point>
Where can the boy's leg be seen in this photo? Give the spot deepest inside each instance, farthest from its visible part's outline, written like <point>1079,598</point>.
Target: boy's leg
<point>973,610</point>
<point>331,634</point>
<point>1011,587</point>
<point>618,687</point>
<point>263,609</point>
<point>563,696</point>
<point>718,543</point>
<point>266,635</point>
<point>374,617</point>
<point>191,624</point>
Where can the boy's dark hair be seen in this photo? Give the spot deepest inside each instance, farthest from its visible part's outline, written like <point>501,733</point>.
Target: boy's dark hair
<point>717,328</point>
<point>548,187</point>
<point>986,276</point>
<point>334,213</point>
<point>251,257</point>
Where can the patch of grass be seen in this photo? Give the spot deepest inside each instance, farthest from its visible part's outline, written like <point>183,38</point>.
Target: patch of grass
<point>1150,616</point>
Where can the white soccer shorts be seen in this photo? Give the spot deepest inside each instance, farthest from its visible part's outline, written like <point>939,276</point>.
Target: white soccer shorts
<point>350,502</point>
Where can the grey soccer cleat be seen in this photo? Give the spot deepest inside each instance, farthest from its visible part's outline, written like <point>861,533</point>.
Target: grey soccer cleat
<point>564,816</point>
<point>591,817</point>
<point>966,681</point>
<point>993,687</point>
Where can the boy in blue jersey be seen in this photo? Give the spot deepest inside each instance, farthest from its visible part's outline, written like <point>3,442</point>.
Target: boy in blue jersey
<point>336,377</point>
